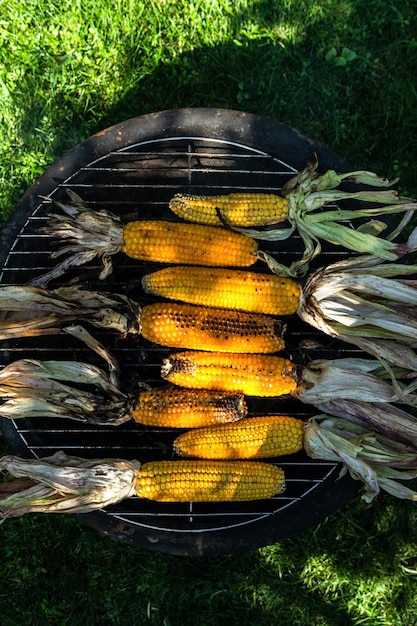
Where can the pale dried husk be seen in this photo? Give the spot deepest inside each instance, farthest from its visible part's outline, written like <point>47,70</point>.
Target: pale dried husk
<point>357,379</point>
<point>87,234</point>
<point>64,484</point>
<point>389,420</point>
<point>368,303</point>
<point>83,335</point>
<point>74,390</point>
<point>380,463</point>
<point>27,311</point>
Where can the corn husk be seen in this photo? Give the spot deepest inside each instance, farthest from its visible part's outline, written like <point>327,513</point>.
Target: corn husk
<point>27,311</point>
<point>68,389</point>
<point>385,418</point>
<point>313,202</point>
<point>64,484</point>
<point>380,463</point>
<point>358,379</point>
<point>88,235</point>
<point>369,303</point>
<point>83,335</point>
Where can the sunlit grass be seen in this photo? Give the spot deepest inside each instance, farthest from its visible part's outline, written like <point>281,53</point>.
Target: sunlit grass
<point>71,68</point>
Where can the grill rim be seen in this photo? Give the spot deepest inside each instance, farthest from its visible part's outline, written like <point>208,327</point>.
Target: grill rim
<point>243,129</point>
<point>257,130</point>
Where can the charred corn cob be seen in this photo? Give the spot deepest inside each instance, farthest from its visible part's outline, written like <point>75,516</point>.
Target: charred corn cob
<point>237,209</point>
<point>83,392</point>
<point>224,288</point>
<point>250,374</point>
<point>216,330</point>
<point>180,408</point>
<point>89,234</point>
<point>319,383</point>
<point>251,438</point>
<point>208,481</point>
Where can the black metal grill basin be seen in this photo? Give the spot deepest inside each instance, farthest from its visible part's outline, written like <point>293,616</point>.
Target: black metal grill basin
<point>133,169</point>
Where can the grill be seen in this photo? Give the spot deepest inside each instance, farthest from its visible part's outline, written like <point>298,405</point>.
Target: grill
<point>133,169</point>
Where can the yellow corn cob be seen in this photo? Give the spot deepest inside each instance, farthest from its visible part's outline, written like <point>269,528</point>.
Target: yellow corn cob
<point>89,234</point>
<point>224,288</point>
<point>180,408</point>
<point>203,328</point>
<point>250,374</point>
<point>251,438</point>
<point>172,242</point>
<point>208,481</point>
<point>237,209</point>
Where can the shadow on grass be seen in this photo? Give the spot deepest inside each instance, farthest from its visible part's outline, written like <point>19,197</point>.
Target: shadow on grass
<point>299,74</point>
<point>341,573</point>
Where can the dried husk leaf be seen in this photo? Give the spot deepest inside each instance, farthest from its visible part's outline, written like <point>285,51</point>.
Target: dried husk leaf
<point>24,310</point>
<point>83,335</point>
<point>387,419</point>
<point>64,484</point>
<point>368,303</point>
<point>349,379</point>
<point>367,456</point>
<point>89,234</point>
<point>69,389</point>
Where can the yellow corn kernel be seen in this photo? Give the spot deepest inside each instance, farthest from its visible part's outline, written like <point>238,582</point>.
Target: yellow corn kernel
<point>188,244</point>
<point>251,438</point>
<point>203,328</point>
<point>250,374</point>
<point>237,209</point>
<point>208,481</point>
<point>182,408</point>
<point>226,288</point>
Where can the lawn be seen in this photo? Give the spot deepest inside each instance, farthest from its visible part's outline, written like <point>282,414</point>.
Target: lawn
<point>342,72</point>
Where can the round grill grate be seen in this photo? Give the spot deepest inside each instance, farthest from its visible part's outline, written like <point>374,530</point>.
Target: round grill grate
<point>133,169</point>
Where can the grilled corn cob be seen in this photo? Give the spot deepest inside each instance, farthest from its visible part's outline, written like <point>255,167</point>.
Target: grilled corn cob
<point>217,330</point>
<point>318,383</point>
<point>89,234</point>
<point>251,438</point>
<point>174,242</point>
<point>208,481</point>
<point>237,209</point>
<point>250,374</point>
<point>305,203</point>
<point>65,484</point>
<point>224,288</point>
<point>182,408</point>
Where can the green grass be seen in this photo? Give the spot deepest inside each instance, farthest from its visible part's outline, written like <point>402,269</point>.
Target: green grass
<point>340,71</point>
<point>350,570</point>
